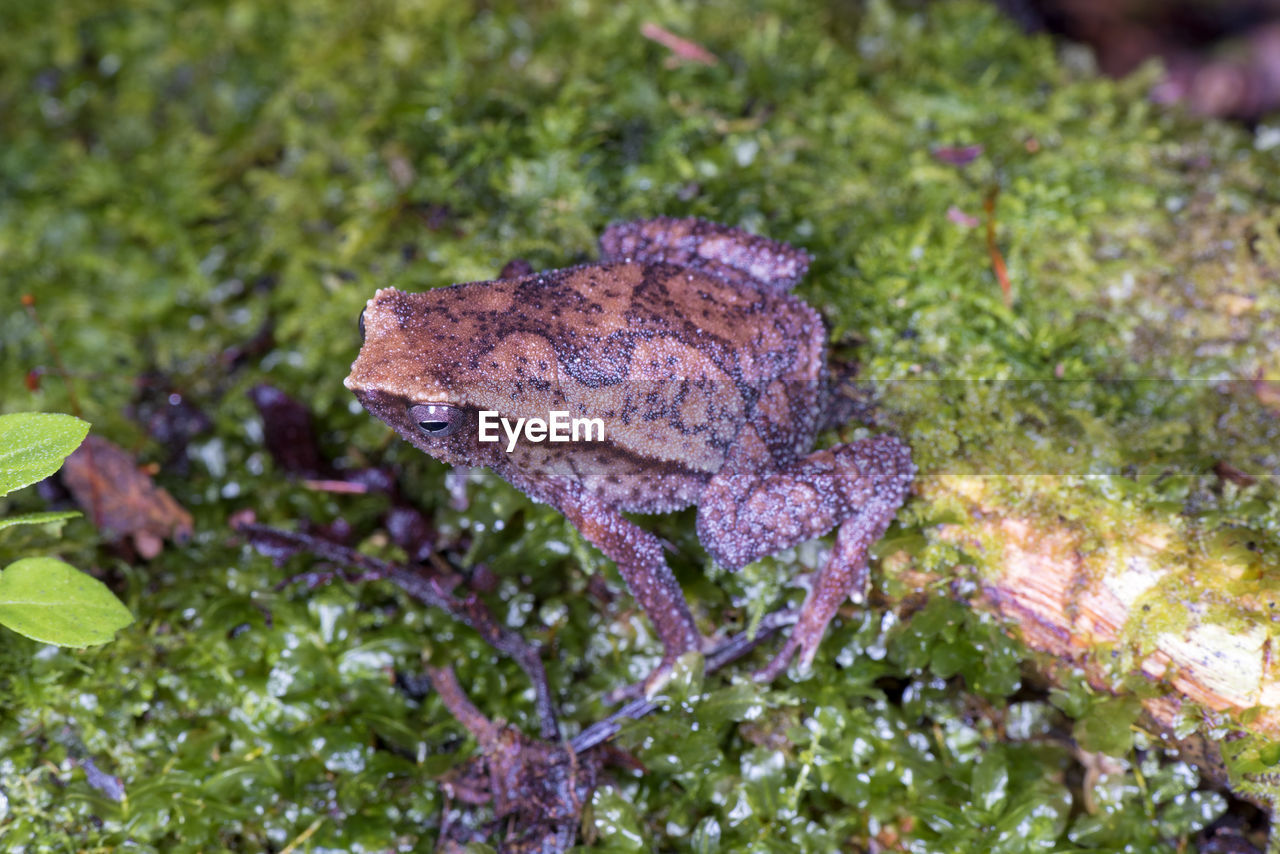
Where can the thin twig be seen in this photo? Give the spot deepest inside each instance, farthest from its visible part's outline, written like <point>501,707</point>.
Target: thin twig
<point>445,683</point>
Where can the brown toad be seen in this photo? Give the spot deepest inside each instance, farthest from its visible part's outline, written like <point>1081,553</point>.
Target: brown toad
<point>707,375</point>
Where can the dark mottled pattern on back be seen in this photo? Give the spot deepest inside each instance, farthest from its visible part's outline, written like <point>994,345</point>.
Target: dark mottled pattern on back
<point>667,302</point>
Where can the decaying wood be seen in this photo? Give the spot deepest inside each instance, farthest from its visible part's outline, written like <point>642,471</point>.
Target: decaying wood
<point>1086,594</point>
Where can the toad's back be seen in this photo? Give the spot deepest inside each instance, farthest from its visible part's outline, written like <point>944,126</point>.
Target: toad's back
<point>633,322</point>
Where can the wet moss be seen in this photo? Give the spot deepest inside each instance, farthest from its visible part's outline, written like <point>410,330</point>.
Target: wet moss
<point>177,177</point>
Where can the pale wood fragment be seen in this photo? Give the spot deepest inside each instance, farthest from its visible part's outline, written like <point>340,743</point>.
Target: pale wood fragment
<point>1081,593</point>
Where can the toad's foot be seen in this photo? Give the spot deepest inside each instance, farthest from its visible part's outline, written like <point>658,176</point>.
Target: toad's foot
<point>843,575</point>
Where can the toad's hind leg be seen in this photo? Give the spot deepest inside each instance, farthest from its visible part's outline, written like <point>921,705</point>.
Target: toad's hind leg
<point>744,516</point>
<point>842,576</point>
<point>638,555</point>
<point>721,250</point>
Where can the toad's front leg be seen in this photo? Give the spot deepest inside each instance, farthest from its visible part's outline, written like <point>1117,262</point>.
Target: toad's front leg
<point>743,516</point>
<point>638,555</point>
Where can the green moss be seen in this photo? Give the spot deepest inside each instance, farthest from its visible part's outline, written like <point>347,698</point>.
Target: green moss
<point>176,176</point>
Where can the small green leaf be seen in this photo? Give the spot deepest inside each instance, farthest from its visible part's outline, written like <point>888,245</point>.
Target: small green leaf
<point>1191,812</point>
<point>685,679</point>
<point>615,823</point>
<point>743,701</point>
<point>53,602</point>
<point>706,836</point>
<point>34,444</point>
<point>942,818</point>
<point>38,518</point>
<point>1107,726</point>
<point>990,783</point>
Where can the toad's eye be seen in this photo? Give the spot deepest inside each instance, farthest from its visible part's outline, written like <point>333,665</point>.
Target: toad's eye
<point>361,323</point>
<point>437,420</point>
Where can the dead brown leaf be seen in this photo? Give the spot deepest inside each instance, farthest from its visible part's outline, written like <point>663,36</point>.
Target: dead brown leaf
<point>122,499</point>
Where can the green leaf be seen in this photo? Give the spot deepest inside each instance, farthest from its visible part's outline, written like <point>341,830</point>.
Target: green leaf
<point>53,602</point>
<point>34,444</point>
<point>38,518</point>
<point>990,783</point>
<point>706,836</point>
<point>616,823</point>
<point>1190,813</point>
<point>1107,726</point>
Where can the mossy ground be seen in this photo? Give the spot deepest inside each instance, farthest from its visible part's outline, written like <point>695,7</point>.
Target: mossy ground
<point>176,176</point>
